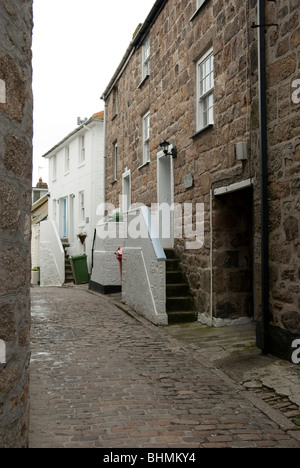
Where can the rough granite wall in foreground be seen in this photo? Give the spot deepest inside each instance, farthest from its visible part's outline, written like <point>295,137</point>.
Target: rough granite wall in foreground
<point>15,224</point>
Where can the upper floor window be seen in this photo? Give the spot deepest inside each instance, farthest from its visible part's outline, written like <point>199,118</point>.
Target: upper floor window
<point>82,150</point>
<point>54,167</point>
<point>146,58</point>
<point>146,138</point>
<point>67,159</point>
<point>115,161</point>
<point>205,90</point>
<point>81,206</point>
<point>115,101</point>
<point>199,3</point>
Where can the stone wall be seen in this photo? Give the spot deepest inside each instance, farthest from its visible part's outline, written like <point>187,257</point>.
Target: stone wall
<point>283,99</point>
<point>15,219</point>
<point>177,43</point>
<point>179,37</point>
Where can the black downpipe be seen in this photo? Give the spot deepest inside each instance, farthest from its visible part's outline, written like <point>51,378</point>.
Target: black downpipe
<point>264,179</point>
<point>93,247</point>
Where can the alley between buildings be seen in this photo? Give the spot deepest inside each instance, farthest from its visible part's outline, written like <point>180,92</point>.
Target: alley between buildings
<point>104,378</point>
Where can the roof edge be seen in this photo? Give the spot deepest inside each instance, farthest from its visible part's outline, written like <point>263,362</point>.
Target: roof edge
<point>138,39</point>
<point>148,23</point>
<point>90,120</point>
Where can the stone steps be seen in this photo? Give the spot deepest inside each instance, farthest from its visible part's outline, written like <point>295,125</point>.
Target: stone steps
<point>69,278</point>
<point>179,303</point>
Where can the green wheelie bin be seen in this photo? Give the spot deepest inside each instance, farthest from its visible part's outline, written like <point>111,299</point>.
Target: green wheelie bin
<point>80,269</point>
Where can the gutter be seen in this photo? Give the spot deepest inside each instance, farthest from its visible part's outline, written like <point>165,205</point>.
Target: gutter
<point>265,282</point>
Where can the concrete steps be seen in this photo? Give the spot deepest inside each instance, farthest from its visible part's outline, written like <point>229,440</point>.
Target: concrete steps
<point>180,303</point>
<point>69,278</point>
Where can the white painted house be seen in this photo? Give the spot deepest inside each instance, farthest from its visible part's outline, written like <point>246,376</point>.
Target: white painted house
<point>76,187</point>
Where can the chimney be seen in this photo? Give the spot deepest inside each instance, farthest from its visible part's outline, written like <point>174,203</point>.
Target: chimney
<point>41,184</point>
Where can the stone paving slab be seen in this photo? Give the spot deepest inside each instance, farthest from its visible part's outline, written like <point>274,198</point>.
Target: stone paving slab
<point>233,350</point>
<point>101,378</point>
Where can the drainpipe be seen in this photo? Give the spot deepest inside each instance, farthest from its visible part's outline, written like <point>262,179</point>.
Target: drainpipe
<point>263,178</point>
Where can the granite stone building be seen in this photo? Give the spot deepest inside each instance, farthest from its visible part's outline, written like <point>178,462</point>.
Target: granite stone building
<point>15,218</point>
<point>193,76</point>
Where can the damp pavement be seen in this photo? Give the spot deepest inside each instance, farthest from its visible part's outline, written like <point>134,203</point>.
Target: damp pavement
<point>104,377</point>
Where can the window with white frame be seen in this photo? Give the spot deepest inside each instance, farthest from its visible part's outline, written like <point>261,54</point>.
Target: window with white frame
<point>115,101</point>
<point>199,3</point>
<point>82,150</point>
<point>205,90</point>
<point>146,58</point>
<point>54,167</point>
<point>67,159</point>
<point>82,206</point>
<point>54,205</point>
<point>146,138</point>
<point>126,191</point>
<point>115,161</point>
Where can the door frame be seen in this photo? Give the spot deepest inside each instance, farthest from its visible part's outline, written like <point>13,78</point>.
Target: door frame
<point>165,195</point>
<point>63,217</point>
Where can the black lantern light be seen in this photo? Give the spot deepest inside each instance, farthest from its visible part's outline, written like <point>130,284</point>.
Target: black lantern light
<point>165,145</point>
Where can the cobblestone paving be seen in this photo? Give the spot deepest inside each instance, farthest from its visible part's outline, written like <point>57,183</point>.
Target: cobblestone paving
<point>101,378</point>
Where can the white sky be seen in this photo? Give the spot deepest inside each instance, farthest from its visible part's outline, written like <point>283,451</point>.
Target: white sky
<point>77,46</point>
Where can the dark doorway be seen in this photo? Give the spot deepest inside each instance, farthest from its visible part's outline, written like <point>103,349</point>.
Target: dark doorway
<point>233,255</point>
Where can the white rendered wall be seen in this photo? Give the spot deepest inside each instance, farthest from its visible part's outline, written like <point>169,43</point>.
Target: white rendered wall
<point>106,269</point>
<point>87,177</point>
<point>52,257</point>
<point>35,246</point>
<point>143,265</point>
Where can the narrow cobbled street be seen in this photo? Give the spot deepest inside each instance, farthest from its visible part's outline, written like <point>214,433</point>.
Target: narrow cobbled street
<point>101,377</point>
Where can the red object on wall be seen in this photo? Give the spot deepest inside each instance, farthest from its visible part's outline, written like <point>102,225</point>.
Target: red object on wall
<point>119,255</point>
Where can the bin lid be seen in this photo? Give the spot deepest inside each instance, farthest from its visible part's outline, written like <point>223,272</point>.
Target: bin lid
<point>78,257</point>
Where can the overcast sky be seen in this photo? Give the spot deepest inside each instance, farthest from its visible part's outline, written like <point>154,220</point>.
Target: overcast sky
<point>77,46</point>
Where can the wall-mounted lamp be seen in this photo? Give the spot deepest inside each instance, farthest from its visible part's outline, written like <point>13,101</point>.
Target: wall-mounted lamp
<point>165,145</point>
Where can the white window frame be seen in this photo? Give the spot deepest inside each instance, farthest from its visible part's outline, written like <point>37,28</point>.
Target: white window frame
<point>82,206</point>
<point>116,100</point>
<point>199,3</point>
<point>54,210</point>
<point>146,51</point>
<point>82,150</point>
<point>67,160</point>
<point>146,138</point>
<point>205,91</point>
<point>54,167</point>
<point>115,161</point>
<point>126,190</point>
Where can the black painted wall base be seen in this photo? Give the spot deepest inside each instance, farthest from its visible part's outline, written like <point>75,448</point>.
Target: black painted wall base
<point>280,341</point>
<point>99,288</point>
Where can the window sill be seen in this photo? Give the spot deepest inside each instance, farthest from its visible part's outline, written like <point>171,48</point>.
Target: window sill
<point>198,10</point>
<point>143,81</point>
<point>201,131</point>
<point>144,165</point>
<point>81,164</point>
